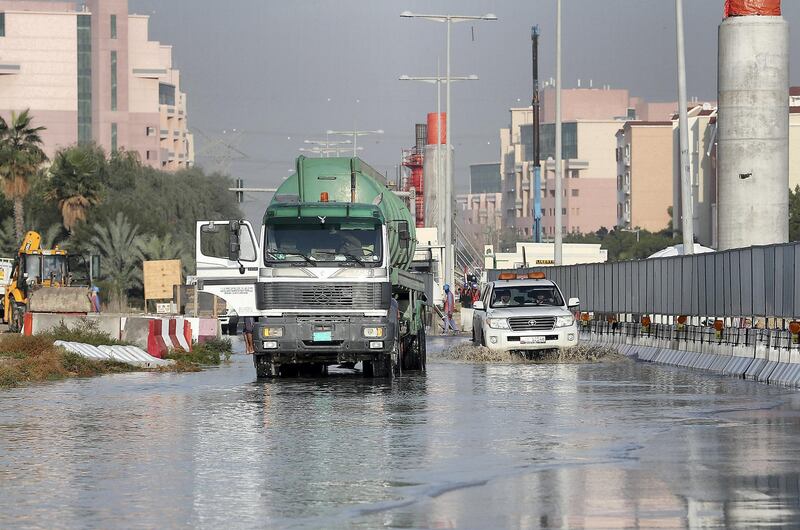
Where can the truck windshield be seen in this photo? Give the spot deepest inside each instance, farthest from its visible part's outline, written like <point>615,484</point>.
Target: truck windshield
<point>526,296</point>
<point>329,242</point>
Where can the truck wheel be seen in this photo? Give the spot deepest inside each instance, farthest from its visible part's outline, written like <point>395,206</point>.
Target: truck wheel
<point>422,348</point>
<point>264,368</point>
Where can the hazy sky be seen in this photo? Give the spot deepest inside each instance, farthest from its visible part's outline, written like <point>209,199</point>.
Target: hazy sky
<point>284,71</point>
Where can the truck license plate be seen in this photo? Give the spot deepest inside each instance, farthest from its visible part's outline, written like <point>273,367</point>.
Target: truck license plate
<point>322,336</point>
<point>533,340</point>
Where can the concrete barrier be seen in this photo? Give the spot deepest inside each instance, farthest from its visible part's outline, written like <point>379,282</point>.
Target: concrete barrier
<point>204,329</point>
<point>124,354</point>
<point>166,334</point>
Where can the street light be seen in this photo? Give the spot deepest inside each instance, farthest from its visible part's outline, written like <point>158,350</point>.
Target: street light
<point>438,80</point>
<point>355,135</point>
<point>326,151</point>
<point>327,143</point>
<point>448,228</point>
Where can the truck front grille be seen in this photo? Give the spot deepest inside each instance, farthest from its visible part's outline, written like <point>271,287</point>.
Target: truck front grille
<point>531,323</point>
<point>307,295</point>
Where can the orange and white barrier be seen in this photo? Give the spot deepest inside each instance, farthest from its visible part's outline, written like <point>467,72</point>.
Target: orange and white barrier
<point>166,334</point>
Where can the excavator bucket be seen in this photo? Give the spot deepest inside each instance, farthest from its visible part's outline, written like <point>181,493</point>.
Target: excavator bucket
<point>60,300</point>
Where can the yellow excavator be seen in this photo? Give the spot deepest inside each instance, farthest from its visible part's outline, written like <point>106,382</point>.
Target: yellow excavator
<point>41,282</point>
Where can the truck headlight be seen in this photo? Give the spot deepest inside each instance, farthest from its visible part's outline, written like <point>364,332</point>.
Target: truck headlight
<point>563,322</point>
<point>272,332</point>
<point>498,323</point>
<point>373,332</point>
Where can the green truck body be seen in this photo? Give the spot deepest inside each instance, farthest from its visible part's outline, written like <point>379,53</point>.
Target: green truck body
<point>335,285</point>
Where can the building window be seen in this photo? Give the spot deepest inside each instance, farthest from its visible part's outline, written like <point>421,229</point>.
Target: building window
<point>113,26</point>
<point>113,136</point>
<point>575,173</point>
<point>84,78</point>
<point>2,24</point>
<point>563,211</point>
<point>575,193</point>
<point>150,131</point>
<point>148,154</point>
<point>113,80</point>
<point>166,94</point>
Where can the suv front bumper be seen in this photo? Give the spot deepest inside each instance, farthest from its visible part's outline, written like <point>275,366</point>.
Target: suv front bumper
<point>509,340</point>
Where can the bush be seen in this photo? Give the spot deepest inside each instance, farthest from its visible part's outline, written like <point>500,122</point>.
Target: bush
<point>35,359</point>
<point>211,352</point>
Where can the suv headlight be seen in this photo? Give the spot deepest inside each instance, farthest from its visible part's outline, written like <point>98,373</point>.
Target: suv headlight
<point>563,322</point>
<point>498,323</point>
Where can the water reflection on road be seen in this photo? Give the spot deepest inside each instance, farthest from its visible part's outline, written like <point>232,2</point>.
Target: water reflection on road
<point>467,446</point>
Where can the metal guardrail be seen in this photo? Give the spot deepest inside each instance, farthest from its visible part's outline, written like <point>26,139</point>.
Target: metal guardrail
<point>743,337</point>
<point>750,282</point>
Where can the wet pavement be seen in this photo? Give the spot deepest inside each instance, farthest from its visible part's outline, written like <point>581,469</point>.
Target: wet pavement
<point>467,446</point>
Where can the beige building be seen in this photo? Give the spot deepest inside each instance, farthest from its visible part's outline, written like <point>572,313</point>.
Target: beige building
<point>88,72</point>
<point>591,118</point>
<point>644,175</point>
<point>480,216</point>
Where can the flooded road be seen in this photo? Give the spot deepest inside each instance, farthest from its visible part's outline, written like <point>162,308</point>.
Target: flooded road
<point>467,446</point>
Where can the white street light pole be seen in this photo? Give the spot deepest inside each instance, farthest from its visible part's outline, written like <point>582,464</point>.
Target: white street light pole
<point>448,184</point>
<point>558,240</point>
<point>327,150</point>
<point>327,144</point>
<point>687,206</point>
<point>355,134</point>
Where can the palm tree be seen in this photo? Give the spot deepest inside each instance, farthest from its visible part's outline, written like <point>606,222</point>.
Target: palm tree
<point>20,157</point>
<point>119,245</point>
<point>76,181</point>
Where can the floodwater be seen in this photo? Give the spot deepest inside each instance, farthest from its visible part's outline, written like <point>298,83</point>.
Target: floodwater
<point>467,446</point>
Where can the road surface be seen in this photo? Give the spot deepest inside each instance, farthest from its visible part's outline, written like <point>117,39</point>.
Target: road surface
<point>467,446</point>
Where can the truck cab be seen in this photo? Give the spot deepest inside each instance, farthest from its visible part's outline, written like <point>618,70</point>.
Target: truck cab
<point>524,314</point>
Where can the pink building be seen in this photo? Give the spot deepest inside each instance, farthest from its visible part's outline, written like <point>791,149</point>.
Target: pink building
<point>90,73</point>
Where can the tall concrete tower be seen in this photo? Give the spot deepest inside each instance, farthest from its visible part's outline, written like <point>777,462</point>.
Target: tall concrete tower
<point>753,133</point>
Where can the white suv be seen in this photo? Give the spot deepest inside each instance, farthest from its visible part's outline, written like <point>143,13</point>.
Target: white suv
<point>524,314</point>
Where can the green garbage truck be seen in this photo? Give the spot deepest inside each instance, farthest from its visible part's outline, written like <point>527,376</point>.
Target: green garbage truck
<point>328,279</point>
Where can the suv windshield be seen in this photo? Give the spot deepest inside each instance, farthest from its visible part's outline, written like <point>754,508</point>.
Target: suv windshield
<point>329,242</point>
<point>526,296</point>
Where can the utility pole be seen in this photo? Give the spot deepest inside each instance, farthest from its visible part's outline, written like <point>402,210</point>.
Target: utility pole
<point>687,201</point>
<point>559,184</point>
<point>537,155</point>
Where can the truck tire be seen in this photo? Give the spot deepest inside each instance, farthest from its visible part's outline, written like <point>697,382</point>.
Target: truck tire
<point>386,365</point>
<point>414,355</point>
<point>422,344</point>
<point>266,369</point>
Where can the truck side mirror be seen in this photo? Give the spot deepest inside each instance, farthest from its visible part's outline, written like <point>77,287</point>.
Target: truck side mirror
<point>403,233</point>
<point>234,246</point>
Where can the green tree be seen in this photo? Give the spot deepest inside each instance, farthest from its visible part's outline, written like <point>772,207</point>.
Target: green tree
<point>119,245</point>
<point>20,157</point>
<point>77,180</point>
<point>9,244</point>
